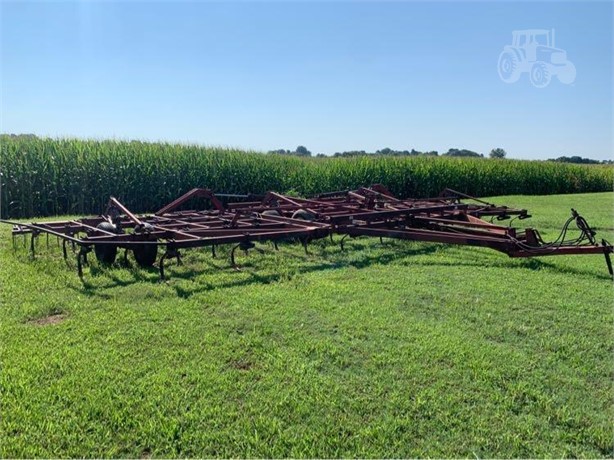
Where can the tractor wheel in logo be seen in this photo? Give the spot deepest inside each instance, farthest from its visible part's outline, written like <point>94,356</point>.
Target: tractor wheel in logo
<point>567,74</point>
<point>508,67</point>
<point>540,75</point>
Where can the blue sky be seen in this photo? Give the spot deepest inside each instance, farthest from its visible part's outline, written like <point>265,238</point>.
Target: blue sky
<point>332,76</point>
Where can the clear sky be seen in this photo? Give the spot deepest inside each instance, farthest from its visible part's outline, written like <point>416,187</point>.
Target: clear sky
<point>332,76</point>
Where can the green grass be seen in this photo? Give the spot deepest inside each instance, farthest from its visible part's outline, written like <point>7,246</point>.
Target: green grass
<point>396,350</point>
<point>42,177</point>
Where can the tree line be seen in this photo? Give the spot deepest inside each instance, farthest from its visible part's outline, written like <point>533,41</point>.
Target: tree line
<point>497,153</point>
<point>579,160</point>
<point>302,151</point>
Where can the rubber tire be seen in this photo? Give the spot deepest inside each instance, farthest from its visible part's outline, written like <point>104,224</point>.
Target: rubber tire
<point>540,75</point>
<point>106,253</point>
<point>146,255</point>
<point>508,67</point>
<point>304,215</point>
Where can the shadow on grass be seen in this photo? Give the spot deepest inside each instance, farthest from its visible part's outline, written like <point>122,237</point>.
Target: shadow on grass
<point>307,265</point>
<point>356,248</point>
<point>533,264</point>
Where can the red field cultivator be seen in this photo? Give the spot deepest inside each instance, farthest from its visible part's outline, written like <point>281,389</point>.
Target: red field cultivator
<point>242,220</point>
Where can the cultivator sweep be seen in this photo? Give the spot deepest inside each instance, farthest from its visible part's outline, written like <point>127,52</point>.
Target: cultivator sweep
<point>242,220</point>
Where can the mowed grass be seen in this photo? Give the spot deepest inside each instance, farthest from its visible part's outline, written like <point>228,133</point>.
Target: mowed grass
<point>396,350</point>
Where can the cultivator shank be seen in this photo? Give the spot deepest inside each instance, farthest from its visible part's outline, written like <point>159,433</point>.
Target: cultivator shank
<point>452,218</point>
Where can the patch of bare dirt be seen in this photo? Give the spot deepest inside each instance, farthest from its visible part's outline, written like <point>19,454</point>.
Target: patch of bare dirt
<point>241,365</point>
<point>55,318</point>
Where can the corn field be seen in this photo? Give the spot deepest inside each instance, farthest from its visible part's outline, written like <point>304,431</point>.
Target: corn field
<point>42,177</point>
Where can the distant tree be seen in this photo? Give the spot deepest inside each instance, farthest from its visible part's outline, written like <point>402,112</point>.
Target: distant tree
<point>320,155</point>
<point>22,136</point>
<point>462,153</point>
<point>352,153</point>
<point>302,151</point>
<point>384,152</point>
<point>577,159</point>
<point>433,153</point>
<point>497,153</point>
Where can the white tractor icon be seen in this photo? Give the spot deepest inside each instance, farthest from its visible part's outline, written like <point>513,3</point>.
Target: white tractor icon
<point>533,51</point>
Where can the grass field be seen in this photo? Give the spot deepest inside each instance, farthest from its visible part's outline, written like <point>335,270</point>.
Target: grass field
<point>395,350</point>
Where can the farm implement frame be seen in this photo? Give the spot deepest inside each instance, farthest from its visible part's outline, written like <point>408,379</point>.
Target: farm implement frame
<point>241,220</point>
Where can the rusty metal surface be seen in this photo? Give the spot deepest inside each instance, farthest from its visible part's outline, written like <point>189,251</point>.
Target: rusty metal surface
<point>452,217</point>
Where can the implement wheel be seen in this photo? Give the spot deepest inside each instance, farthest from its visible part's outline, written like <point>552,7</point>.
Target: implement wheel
<point>146,254</point>
<point>106,253</point>
<point>304,215</point>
